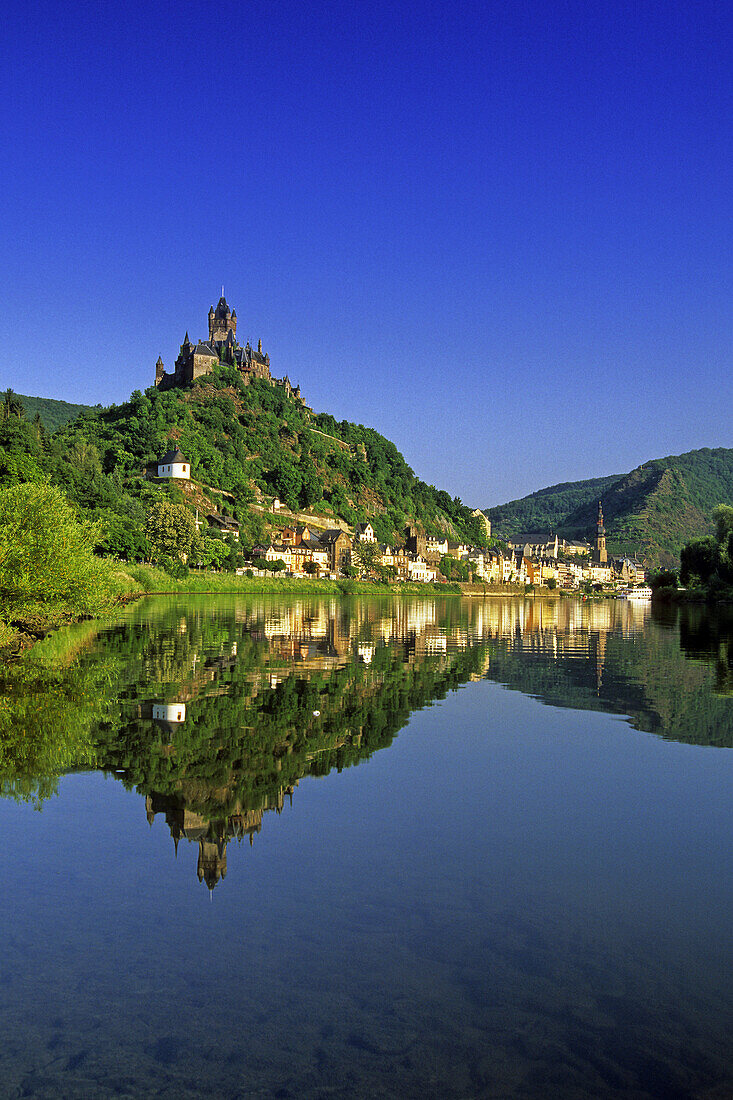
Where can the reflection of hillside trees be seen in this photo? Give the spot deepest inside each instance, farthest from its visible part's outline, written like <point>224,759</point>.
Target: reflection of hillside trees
<point>244,743</point>
<point>708,637</point>
<point>650,680</point>
<point>51,704</point>
<point>248,739</point>
<point>252,673</point>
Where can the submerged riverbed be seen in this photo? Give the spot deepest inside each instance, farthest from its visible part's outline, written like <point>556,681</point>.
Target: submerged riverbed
<point>269,846</point>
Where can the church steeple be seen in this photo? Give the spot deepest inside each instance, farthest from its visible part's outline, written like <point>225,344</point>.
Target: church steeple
<point>601,554</point>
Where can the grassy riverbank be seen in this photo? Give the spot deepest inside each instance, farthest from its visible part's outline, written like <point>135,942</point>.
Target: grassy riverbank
<point>151,580</point>
<point>27,615</point>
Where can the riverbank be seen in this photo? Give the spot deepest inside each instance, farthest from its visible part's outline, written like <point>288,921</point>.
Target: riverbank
<point>154,581</point>
<point>711,595</point>
<point>23,624</point>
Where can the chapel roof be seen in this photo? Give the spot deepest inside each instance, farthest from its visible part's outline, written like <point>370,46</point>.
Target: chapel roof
<point>174,455</point>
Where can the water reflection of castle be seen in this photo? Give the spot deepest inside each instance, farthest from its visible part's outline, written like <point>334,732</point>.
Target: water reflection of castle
<point>211,836</point>
<point>268,645</point>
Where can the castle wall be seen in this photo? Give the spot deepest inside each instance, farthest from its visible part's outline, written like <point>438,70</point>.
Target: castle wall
<point>202,364</point>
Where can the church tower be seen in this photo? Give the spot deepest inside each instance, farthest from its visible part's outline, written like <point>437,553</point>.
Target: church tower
<point>222,321</point>
<point>601,555</point>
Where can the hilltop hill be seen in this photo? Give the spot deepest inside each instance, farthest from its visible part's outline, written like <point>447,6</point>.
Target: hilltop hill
<point>52,413</point>
<point>246,443</point>
<point>651,511</point>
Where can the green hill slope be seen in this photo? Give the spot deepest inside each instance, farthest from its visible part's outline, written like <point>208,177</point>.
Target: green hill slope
<point>246,444</point>
<point>651,511</point>
<point>546,509</point>
<point>52,413</point>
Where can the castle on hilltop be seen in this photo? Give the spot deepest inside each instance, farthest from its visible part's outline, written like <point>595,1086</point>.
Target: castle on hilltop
<point>194,360</point>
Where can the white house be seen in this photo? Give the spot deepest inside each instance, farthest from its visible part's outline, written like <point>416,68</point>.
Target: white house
<point>419,570</point>
<point>169,712</point>
<point>173,464</point>
<point>364,532</point>
<point>435,545</point>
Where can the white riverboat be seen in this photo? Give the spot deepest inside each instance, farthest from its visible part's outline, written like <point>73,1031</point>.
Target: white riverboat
<point>641,592</point>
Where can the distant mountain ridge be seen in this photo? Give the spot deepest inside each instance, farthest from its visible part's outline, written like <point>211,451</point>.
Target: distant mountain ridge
<point>53,413</point>
<point>651,511</point>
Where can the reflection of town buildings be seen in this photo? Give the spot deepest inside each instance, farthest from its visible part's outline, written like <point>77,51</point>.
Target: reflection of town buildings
<point>310,635</point>
<point>255,665</point>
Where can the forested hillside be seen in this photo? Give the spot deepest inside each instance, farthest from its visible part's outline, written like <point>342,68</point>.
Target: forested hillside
<point>546,509</point>
<point>651,511</point>
<point>52,413</point>
<point>246,444</point>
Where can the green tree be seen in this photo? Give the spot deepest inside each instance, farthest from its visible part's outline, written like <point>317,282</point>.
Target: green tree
<point>663,578</point>
<point>12,406</point>
<point>170,530</point>
<point>367,557</point>
<point>46,553</point>
<point>698,561</point>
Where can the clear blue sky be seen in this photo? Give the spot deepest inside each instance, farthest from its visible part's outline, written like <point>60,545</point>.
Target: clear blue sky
<point>498,232</point>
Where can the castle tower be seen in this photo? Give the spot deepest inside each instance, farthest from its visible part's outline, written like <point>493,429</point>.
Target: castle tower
<point>212,861</point>
<point>222,321</point>
<point>601,555</point>
<point>159,371</point>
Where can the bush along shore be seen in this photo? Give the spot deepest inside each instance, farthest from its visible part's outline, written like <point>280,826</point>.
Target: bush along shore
<point>49,573</point>
<point>706,567</point>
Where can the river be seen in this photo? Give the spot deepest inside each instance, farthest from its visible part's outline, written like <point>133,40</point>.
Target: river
<point>269,847</point>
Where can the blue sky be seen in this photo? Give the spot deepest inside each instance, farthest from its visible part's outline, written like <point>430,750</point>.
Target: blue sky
<point>498,233</point>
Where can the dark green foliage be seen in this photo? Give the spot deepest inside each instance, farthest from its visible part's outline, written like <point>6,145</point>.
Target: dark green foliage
<point>708,563</point>
<point>663,578</point>
<point>698,561</point>
<point>51,413</point>
<point>546,510</point>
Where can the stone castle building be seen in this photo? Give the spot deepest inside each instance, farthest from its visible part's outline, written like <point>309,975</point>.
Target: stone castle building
<point>195,360</point>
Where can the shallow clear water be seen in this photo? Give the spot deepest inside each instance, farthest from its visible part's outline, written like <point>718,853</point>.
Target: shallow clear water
<point>496,861</point>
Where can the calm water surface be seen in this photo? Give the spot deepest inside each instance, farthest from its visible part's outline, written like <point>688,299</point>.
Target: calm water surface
<point>316,848</point>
